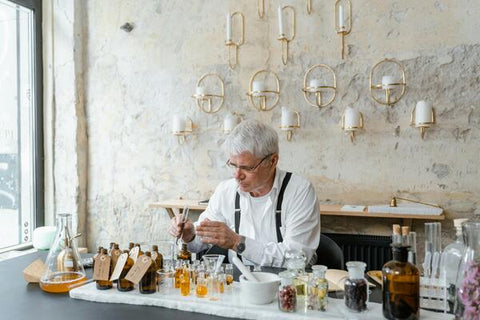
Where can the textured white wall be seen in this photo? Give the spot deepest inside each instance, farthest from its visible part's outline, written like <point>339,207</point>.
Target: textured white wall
<point>135,82</point>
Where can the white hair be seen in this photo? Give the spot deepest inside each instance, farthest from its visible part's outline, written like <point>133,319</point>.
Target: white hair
<point>254,137</point>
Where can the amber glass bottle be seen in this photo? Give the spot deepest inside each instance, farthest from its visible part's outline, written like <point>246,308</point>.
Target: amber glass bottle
<point>401,286</point>
<point>130,246</point>
<point>123,284</point>
<point>140,252</point>
<point>105,284</point>
<point>184,254</point>
<point>158,258</point>
<point>148,284</point>
<point>99,251</point>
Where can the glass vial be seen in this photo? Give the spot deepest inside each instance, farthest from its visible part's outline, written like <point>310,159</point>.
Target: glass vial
<point>287,296</point>
<point>184,254</point>
<point>401,286</point>
<point>317,297</point>
<point>148,284</point>
<point>158,258</point>
<point>123,284</point>
<point>356,287</point>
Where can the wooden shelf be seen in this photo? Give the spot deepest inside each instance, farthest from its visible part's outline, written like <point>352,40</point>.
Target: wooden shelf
<point>325,210</point>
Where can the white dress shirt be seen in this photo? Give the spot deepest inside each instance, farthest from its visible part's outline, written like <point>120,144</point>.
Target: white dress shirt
<point>300,227</point>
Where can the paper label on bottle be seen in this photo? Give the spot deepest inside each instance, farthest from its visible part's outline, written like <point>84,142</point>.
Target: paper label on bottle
<point>154,256</point>
<point>115,254</point>
<point>134,253</point>
<point>119,266</point>
<point>101,271</point>
<point>139,269</point>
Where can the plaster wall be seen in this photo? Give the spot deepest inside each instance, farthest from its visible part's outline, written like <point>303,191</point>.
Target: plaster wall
<point>134,82</point>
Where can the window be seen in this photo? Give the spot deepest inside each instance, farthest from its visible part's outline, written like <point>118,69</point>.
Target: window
<point>21,139</point>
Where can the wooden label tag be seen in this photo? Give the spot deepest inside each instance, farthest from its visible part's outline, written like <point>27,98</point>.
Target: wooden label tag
<point>139,269</point>
<point>101,271</point>
<point>119,266</point>
<point>134,253</point>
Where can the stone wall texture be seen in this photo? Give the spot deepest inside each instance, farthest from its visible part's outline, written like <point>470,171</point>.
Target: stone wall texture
<point>133,83</point>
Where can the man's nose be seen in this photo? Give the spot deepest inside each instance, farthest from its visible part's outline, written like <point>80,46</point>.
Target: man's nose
<point>238,174</point>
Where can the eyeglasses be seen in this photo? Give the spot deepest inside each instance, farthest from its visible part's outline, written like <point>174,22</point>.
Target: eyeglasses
<point>246,168</point>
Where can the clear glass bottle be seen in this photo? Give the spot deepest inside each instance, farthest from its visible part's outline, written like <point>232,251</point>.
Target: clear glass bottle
<point>317,297</point>
<point>287,296</point>
<point>123,284</point>
<point>450,262</point>
<point>295,262</point>
<point>467,302</point>
<point>63,269</point>
<point>401,286</point>
<point>356,287</point>
<point>148,283</point>
<point>229,275</point>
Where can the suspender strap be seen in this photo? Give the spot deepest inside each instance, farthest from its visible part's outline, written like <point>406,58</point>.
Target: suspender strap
<point>237,218</point>
<point>278,212</point>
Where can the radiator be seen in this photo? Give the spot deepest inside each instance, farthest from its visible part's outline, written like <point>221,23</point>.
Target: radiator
<point>371,249</point>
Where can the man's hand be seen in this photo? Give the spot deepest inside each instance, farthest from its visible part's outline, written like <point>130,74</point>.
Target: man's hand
<point>177,226</point>
<point>217,233</point>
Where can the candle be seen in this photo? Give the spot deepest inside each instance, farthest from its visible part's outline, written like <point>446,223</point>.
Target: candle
<point>387,82</point>
<point>280,21</point>
<point>352,118</point>
<point>423,112</point>
<point>258,86</point>
<point>229,27</point>
<point>178,124</point>
<point>229,123</point>
<point>315,83</point>
<point>289,118</point>
<point>200,91</point>
<point>341,23</point>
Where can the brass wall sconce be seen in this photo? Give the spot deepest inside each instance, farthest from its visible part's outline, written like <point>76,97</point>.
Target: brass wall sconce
<point>258,93</point>
<point>229,42</point>
<point>352,121</point>
<point>317,88</point>
<point>290,122</point>
<point>423,116</point>
<point>341,27</point>
<point>309,6</point>
<point>230,122</point>
<point>204,98</point>
<point>261,8</point>
<point>181,127</point>
<point>281,33</point>
<point>394,87</point>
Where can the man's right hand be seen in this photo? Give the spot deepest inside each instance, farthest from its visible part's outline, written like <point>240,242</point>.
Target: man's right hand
<point>177,227</point>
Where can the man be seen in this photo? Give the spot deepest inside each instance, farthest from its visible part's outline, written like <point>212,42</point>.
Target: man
<point>251,214</point>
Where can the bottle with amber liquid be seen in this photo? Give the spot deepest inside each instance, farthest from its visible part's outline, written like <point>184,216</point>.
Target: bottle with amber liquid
<point>178,272</point>
<point>99,251</point>
<point>105,284</point>
<point>184,254</point>
<point>123,284</point>
<point>148,284</point>
<point>401,286</point>
<point>158,257</point>
<point>185,281</point>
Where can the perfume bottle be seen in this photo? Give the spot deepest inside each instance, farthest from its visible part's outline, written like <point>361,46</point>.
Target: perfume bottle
<point>356,287</point>
<point>105,284</point>
<point>317,297</point>
<point>123,284</point>
<point>148,284</point>
<point>401,286</point>
<point>158,257</point>
<point>184,254</point>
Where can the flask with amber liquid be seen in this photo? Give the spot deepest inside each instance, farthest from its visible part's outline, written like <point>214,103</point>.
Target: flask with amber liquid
<point>401,286</point>
<point>105,284</point>
<point>123,284</point>
<point>158,257</point>
<point>184,254</point>
<point>148,284</point>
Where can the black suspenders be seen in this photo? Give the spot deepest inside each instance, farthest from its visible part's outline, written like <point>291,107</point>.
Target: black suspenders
<point>278,210</point>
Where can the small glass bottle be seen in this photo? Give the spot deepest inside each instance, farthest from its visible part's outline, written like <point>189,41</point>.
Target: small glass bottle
<point>317,298</point>
<point>356,287</point>
<point>401,286</point>
<point>130,246</point>
<point>467,302</point>
<point>115,253</point>
<point>99,251</point>
<point>158,258</point>
<point>178,272</point>
<point>105,284</point>
<point>148,283</point>
<point>295,261</point>
<point>221,280</point>
<point>123,284</point>
<point>229,276</point>
<point>287,296</point>
<point>201,287</point>
<point>185,281</point>
<point>140,252</point>
<point>184,254</point>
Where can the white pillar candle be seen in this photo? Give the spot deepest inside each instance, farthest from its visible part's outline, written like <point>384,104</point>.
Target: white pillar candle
<point>258,86</point>
<point>423,112</point>
<point>178,124</point>
<point>341,21</point>
<point>352,118</point>
<point>387,82</point>
<point>200,91</point>
<point>280,21</point>
<point>230,122</point>
<point>315,83</point>
<point>289,118</point>
<point>229,27</point>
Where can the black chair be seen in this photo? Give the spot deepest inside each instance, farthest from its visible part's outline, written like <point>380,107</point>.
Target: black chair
<point>329,253</point>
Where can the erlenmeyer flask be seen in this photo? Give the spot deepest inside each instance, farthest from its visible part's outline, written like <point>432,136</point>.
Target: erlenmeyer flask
<point>64,271</point>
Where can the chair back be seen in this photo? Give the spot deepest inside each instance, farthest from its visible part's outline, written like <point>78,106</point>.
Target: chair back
<point>329,253</point>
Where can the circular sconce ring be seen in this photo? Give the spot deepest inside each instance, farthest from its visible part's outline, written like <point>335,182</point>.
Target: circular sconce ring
<point>259,99</point>
<point>318,90</point>
<point>388,91</point>
<point>205,101</point>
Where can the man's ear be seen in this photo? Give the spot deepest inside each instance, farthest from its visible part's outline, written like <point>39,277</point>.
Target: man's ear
<point>274,159</point>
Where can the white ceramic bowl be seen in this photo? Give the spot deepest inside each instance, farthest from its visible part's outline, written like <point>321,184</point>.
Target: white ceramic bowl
<point>261,292</point>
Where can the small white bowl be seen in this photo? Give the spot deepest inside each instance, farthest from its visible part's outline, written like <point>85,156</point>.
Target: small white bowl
<point>262,292</point>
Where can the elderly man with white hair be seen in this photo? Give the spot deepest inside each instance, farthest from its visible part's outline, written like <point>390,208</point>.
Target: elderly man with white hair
<point>263,211</point>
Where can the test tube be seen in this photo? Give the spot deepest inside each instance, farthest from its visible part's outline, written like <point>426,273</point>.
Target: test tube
<point>412,252</point>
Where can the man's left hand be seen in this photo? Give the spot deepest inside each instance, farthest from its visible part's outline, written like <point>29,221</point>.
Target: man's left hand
<point>217,233</point>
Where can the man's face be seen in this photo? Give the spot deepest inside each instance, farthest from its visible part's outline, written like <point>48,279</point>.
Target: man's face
<point>258,181</point>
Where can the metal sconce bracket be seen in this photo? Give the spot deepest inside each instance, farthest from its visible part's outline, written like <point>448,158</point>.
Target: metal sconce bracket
<point>181,135</point>
<point>230,43</point>
<point>388,91</point>
<point>285,41</point>
<point>264,94</point>
<point>340,26</point>
<point>309,6</point>
<point>317,90</point>
<point>261,8</point>
<point>352,129</point>
<point>203,98</point>
<point>422,125</point>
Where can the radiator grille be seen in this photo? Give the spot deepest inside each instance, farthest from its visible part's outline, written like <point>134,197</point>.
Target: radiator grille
<point>372,249</point>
